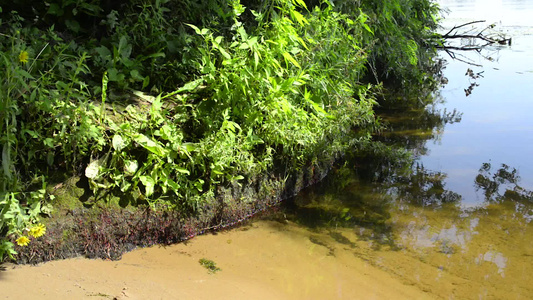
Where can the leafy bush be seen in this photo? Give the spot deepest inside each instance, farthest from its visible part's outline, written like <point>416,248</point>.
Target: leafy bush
<point>164,101</point>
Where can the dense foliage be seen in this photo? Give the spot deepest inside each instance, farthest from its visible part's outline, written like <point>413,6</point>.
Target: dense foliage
<point>162,101</point>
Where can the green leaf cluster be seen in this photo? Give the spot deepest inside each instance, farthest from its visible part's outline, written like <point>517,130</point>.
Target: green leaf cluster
<point>165,101</point>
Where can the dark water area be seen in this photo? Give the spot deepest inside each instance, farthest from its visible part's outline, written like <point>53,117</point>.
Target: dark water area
<point>456,222</point>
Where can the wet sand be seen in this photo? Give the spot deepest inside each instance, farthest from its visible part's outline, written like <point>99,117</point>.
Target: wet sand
<point>264,260</point>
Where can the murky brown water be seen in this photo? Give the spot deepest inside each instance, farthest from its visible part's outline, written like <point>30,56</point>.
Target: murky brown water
<point>457,225</point>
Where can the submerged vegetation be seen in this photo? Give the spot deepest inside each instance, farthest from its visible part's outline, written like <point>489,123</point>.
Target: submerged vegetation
<point>161,102</point>
<point>210,265</point>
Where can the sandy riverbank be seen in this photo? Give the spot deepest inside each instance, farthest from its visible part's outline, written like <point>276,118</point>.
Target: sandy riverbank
<point>264,260</point>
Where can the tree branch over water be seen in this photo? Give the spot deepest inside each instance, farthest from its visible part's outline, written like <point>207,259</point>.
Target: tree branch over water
<point>476,41</point>
<point>455,34</point>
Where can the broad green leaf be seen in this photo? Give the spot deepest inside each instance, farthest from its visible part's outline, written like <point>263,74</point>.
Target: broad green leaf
<point>224,53</point>
<point>190,86</point>
<point>55,10</point>
<point>155,110</point>
<point>362,18</point>
<point>165,132</point>
<point>150,145</point>
<point>48,142</point>
<point>242,32</point>
<point>155,55</point>
<point>196,29</point>
<point>125,186</point>
<point>122,44</point>
<point>182,170</point>
<point>118,142</point>
<point>252,41</point>
<point>104,52</point>
<point>136,75</point>
<point>145,97</point>
<point>368,28</point>
<point>33,95</point>
<point>173,185</point>
<point>146,81</point>
<point>190,146</point>
<point>92,170</point>
<point>130,167</point>
<point>73,25</point>
<point>254,139</point>
<point>149,184</point>
<point>62,85</point>
<point>199,184</point>
<point>115,75</point>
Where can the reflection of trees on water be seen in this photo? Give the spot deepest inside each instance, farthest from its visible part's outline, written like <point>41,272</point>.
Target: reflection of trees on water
<point>413,128</point>
<point>362,190</point>
<point>501,185</point>
<point>424,188</point>
<point>375,182</point>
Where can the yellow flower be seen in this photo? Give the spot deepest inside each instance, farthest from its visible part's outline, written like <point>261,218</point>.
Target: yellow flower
<point>23,241</point>
<point>38,230</point>
<point>23,56</point>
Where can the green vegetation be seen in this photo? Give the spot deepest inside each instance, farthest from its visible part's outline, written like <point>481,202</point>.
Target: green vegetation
<point>209,265</point>
<point>163,101</point>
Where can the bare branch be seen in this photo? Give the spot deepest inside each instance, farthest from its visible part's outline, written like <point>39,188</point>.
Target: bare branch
<point>463,25</point>
<point>473,45</point>
<point>454,56</point>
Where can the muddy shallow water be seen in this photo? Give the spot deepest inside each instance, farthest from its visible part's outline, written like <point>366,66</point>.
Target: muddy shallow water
<point>459,225</point>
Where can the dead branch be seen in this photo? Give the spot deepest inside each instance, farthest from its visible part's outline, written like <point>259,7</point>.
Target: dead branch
<point>463,25</point>
<point>454,34</point>
<point>477,41</point>
<point>453,55</point>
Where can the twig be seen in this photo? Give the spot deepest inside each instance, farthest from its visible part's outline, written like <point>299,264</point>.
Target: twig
<point>454,56</point>
<point>465,24</point>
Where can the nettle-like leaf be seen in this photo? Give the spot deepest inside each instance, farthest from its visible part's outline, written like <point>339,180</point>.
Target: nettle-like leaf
<point>130,167</point>
<point>92,170</point>
<point>119,143</point>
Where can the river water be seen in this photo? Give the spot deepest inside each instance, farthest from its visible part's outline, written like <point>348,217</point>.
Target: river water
<point>457,224</point>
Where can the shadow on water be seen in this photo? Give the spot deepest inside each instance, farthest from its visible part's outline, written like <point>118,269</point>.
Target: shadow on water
<point>383,205</point>
<point>368,190</point>
<point>359,193</point>
<point>3,270</point>
<point>466,240</point>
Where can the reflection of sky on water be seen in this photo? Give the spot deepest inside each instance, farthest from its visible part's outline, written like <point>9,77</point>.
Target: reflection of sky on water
<point>479,252</point>
<point>423,236</point>
<point>510,12</point>
<point>495,257</point>
<point>497,122</point>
